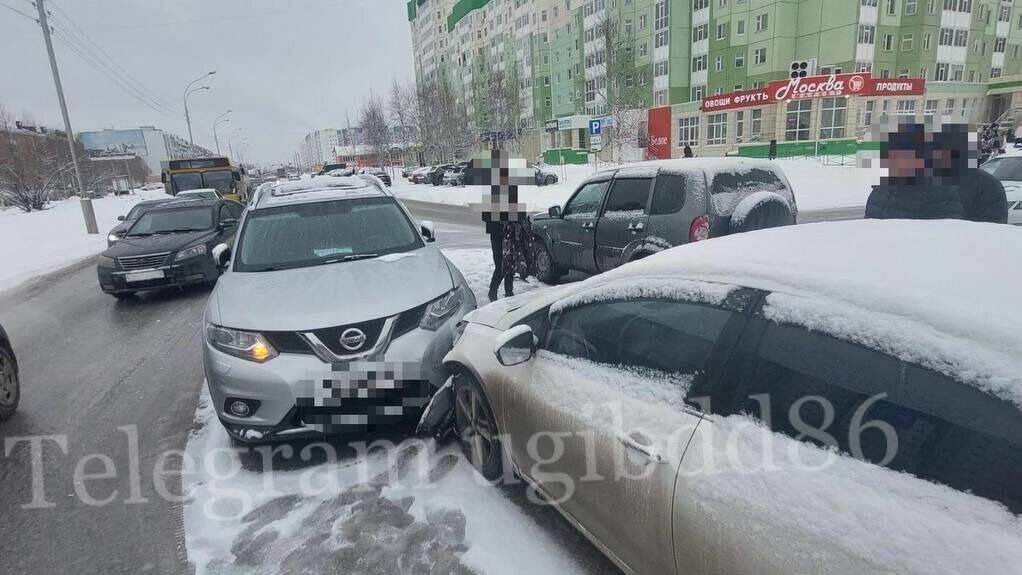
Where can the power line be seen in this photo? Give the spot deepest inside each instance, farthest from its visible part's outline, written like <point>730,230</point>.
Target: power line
<point>85,41</point>
<point>127,88</point>
<point>16,11</point>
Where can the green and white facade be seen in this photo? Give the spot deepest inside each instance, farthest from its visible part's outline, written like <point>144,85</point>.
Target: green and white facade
<point>969,52</point>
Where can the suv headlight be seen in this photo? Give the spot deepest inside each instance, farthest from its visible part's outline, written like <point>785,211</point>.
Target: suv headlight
<point>441,308</point>
<point>113,238</point>
<point>244,344</point>
<point>191,252</point>
<point>106,262</point>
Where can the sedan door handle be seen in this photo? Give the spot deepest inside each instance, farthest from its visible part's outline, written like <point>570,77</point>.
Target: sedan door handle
<point>641,444</point>
<point>587,226</point>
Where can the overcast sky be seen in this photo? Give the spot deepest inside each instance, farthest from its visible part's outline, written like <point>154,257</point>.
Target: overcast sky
<point>284,67</point>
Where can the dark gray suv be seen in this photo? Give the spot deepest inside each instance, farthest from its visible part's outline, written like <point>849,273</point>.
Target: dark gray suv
<point>627,213</point>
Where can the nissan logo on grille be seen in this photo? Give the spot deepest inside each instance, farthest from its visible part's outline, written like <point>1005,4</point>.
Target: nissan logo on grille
<point>352,339</point>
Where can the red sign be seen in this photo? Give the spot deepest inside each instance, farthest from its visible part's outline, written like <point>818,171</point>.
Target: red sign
<point>815,87</point>
<point>658,145</point>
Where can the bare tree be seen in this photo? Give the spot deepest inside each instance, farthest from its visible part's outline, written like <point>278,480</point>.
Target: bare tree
<point>501,109</point>
<point>375,129</point>
<point>34,167</point>
<point>399,113</point>
<point>443,123</point>
<point>622,89</point>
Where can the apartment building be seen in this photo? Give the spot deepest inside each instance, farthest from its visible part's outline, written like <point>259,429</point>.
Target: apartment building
<point>961,58</point>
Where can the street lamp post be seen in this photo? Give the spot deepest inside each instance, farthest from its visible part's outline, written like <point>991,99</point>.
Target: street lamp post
<point>188,90</point>
<point>230,141</point>
<point>221,119</point>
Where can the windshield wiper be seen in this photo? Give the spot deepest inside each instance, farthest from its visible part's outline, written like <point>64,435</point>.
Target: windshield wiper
<point>180,231</point>
<point>350,258</point>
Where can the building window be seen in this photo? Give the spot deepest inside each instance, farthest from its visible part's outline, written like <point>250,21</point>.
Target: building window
<point>910,7</point>
<point>961,38</point>
<point>995,72</point>
<point>867,34</point>
<point>892,7</point>
<point>832,117</point>
<point>688,131</point>
<point>762,22</point>
<point>930,109</point>
<point>867,113</point>
<point>698,92</point>
<point>864,67</point>
<point>888,42</point>
<point>796,126</point>
<point>943,72</point>
<point>906,108</point>
<point>660,68</point>
<point>1000,44</point>
<point>949,107</point>
<point>870,3</point>
<point>1005,14</point>
<point>716,129</point>
<point>700,32</point>
<point>739,126</point>
<point>660,98</point>
<point>931,6</point>
<point>719,64</point>
<point>740,27</point>
<point>642,49</point>
<point>660,39</point>
<point>926,41</point>
<point>906,43</point>
<point>760,56</point>
<point>700,5</point>
<point>722,31</point>
<point>756,126</point>
<point>956,72</point>
<point>740,60</point>
<point>699,63</point>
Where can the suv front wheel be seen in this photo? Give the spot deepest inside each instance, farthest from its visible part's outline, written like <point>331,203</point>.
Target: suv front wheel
<point>10,388</point>
<point>547,270</point>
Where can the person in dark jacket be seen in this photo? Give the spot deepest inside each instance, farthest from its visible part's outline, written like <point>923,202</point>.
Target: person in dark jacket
<point>982,195</point>
<point>688,151</point>
<point>772,150</point>
<point>912,188</point>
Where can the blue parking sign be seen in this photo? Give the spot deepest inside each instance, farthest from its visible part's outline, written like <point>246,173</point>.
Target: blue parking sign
<point>594,127</point>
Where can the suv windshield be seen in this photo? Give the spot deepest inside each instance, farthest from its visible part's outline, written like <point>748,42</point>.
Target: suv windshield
<point>302,235</point>
<point>178,220</point>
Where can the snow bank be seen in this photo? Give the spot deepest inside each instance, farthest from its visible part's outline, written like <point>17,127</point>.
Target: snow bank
<point>946,289</point>
<point>39,242</point>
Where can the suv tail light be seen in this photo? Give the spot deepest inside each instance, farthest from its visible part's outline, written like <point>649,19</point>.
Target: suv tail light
<point>700,229</point>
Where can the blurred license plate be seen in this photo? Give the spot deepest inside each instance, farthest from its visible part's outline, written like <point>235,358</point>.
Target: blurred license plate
<point>144,276</point>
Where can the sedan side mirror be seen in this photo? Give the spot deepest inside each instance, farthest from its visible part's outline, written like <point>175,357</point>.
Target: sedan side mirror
<point>516,345</point>
<point>554,211</point>
<point>221,255</point>
<point>428,230</point>
<point>121,218</point>
<point>228,223</point>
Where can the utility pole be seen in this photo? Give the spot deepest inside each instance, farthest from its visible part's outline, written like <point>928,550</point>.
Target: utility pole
<point>87,211</point>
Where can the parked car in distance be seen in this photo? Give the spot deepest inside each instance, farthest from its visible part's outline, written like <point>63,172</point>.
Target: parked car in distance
<point>201,193</point>
<point>299,247</point>
<point>169,246</point>
<point>327,168</point>
<point>379,173</point>
<point>832,395</point>
<point>436,177</point>
<point>1008,169</point>
<point>455,176</point>
<point>10,385</point>
<point>126,221</point>
<point>544,176</point>
<point>630,212</point>
<point>421,175</point>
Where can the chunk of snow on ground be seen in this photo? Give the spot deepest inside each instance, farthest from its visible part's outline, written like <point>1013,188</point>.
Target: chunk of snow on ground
<point>476,264</point>
<point>39,242</point>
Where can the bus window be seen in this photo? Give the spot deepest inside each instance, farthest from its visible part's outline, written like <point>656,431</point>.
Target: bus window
<point>186,181</point>
<point>223,181</point>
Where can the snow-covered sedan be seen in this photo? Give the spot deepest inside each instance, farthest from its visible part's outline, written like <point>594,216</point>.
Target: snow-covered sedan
<point>839,397</point>
<point>1008,169</point>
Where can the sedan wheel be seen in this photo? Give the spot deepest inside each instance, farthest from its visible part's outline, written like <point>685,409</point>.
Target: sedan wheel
<point>476,428</point>
<point>10,390</point>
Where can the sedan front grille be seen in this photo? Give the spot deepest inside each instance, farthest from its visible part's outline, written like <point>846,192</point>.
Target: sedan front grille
<point>142,262</point>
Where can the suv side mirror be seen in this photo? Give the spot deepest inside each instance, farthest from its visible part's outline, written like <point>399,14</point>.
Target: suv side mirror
<point>121,218</point>
<point>221,255</point>
<point>554,211</point>
<point>228,223</point>
<point>516,345</point>
<point>428,230</point>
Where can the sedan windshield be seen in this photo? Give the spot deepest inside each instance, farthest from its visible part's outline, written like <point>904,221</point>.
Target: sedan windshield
<point>169,221</point>
<point>311,234</point>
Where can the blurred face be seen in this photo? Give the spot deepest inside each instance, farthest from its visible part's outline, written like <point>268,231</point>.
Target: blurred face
<point>904,163</point>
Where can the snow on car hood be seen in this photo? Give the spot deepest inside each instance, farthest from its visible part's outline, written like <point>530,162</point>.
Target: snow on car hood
<point>330,295</point>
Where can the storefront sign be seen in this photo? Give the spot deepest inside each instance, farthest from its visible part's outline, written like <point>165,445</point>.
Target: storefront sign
<point>550,125</point>
<point>573,122</point>
<point>658,144</point>
<point>815,87</point>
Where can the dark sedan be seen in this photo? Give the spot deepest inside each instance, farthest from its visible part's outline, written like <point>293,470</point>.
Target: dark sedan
<point>169,246</point>
<point>132,216</point>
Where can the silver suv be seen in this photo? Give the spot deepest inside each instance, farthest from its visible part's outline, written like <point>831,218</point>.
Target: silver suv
<point>334,313</point>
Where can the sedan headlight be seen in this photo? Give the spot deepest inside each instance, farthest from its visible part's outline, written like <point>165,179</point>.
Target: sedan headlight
<point>191,252</point>
<point>113,238</point>
<point>244,344</point>
<point>106,262</point>
<point>441,308</point>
